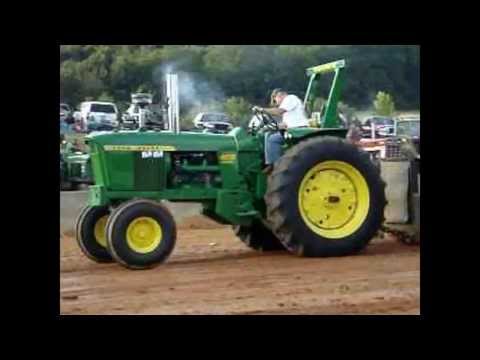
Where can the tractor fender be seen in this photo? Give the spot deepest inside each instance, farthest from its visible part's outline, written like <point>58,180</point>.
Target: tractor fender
<point>300,134</point>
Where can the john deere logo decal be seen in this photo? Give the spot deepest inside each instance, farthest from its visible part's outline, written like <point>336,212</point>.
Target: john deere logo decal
<point>139,148</point>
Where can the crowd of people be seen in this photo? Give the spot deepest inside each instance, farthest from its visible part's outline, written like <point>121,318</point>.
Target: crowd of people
<point>66,126</point>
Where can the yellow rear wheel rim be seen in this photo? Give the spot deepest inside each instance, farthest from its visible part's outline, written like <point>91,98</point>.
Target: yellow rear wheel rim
<point>334,199</point>
<point>144,234</point>
<point>99,231</point>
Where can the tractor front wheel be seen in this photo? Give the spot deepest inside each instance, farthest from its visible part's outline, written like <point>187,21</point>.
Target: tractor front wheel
<point>90,233</point>
<point>141,234</point>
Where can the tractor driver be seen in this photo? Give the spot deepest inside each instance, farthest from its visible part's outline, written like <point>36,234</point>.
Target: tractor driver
<point>291,109</point>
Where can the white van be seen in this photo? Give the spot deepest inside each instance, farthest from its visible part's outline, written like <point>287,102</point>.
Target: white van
<point>96,115</point>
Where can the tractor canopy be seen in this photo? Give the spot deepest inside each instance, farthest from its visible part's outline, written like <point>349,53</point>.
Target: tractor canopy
<point>329,117</point>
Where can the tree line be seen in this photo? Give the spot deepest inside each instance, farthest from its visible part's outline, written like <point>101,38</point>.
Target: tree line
<point>232,77</point>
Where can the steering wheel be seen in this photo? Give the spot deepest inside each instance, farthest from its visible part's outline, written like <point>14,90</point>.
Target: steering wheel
<point>266,120</point>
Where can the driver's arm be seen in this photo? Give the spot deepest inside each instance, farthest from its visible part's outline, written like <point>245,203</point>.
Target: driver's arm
<point>274,111</point>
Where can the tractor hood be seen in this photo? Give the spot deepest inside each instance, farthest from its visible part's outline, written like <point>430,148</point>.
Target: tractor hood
<point>184,141</point>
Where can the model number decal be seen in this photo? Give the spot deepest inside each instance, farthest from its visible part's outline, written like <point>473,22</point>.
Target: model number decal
<point>152,154</point>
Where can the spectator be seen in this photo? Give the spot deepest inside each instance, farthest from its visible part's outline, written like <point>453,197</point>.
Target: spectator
<point>354,134</point>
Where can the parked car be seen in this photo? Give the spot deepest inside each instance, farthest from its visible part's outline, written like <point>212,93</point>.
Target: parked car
<point>407,127</point>
<point>406,139</point>
<point>96,115</point>
<point>131,117</point>
<point>213,122</point>
<point>378,127</point>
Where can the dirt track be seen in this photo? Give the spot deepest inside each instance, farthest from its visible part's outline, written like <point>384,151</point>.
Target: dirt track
<point>229,278</point>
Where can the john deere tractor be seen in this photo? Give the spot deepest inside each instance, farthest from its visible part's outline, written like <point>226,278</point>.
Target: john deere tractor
<point>74,166</point>
<point>323,198</point>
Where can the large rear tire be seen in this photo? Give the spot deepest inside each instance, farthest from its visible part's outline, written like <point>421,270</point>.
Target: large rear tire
<point>258,237</point>
<point>141,234</point>
<point>325,198</point>
<point>90,233</point>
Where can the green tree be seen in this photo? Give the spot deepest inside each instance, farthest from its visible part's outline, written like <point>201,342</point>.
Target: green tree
<point>384,104</point>
<point>245,71</point>
<point>71,87</point>
<point>242,70</point>
<point>239,110</point>
<point>346,109</point>
<point>105,96</point>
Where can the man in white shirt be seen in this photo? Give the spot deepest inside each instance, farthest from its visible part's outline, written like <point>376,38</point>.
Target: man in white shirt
<point>291,109</point>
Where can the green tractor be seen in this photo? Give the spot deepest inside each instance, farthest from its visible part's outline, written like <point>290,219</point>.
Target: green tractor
<point>74,167</point>
<point>324,197</point>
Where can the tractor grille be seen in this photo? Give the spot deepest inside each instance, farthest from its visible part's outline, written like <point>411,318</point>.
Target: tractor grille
<point>392,149</point>
<point>149,173</point>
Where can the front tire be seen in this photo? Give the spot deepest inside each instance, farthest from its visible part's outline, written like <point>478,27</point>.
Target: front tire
<point>325,198</point>
<point>141,234</point>
<point>90,233</point>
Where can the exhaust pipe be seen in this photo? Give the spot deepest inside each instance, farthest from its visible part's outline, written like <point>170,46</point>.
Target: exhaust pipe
<point>173,105</point>
<point>141,118</point>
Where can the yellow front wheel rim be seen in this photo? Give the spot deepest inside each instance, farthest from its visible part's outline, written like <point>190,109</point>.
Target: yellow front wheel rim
<point>334,199</point>
<point>99,231</point>
<point>144,234</point>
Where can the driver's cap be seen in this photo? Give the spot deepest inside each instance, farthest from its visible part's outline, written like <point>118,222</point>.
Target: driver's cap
<point>277,90</point>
